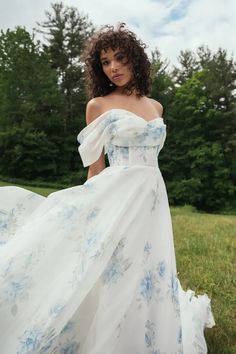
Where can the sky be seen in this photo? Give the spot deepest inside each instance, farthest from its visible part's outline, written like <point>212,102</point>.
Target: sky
<point>168,25</point>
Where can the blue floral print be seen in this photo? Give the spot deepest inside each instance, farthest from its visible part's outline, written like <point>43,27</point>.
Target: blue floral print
<point>7,268</point>
<point>16,288</point>
<point>162,269</point>
<point>150,287</point>
<point>174,292</point>
<point>92,214</point>
<point>155,198</point>
<point>33,257</point>
<point>31,341</point>
<point>151,337</point>
<point>68,212</point>
<point>68,343</point>
<point>70,348</point>
<point>56,309</point>
<point>179,337</point>
<point>68,327</point>
<point>147,248</point>
<point>8,222</point>
<point>117,265</point>
<point>150,334</point>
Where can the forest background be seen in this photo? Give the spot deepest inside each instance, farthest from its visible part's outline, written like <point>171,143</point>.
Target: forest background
<point>43,100</point>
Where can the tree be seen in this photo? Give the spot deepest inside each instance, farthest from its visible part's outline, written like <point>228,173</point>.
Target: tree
<point>221,83</point>
<point>28,87</point>
<point>163,88</point>
<point>188,66</point>
<point>31,112</point>
<point>28,153</point>
<point>66,30</point>
<point>202,174</point>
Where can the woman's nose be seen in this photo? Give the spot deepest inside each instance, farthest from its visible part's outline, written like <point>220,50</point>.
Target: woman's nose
<point>114,66</point>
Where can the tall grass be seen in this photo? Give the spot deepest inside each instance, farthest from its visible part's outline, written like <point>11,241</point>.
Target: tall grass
<point>206,253</point>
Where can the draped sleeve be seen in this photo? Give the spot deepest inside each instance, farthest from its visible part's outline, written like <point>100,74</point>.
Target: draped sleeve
<point>92,139</point>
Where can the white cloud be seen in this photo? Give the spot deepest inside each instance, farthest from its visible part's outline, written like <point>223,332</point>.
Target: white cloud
<point>208,22</point>
<point>169,25</point>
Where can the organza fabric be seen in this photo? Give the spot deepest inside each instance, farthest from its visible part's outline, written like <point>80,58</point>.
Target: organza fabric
<point>91,269</point>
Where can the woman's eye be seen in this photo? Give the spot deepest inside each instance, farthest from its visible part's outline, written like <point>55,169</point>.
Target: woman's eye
<point>120,57</point>
<point>105,62</point>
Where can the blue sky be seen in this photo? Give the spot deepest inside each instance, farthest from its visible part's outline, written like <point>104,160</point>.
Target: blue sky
<point>179,11</point>
<point>169,25</point>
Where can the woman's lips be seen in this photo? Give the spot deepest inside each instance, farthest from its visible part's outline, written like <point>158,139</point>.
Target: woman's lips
<point>117,77</point>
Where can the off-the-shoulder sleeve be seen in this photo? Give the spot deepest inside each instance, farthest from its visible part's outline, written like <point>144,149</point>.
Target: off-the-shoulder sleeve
<point>92,139</point>
<point>118,129</point>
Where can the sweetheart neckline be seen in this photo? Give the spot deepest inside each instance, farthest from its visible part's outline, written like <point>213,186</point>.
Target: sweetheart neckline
<point>103,116</point>
<point>134,114</point>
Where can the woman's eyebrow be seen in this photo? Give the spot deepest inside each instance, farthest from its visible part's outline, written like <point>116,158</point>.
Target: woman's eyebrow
<point>119,52</point>
<point>103,57</point>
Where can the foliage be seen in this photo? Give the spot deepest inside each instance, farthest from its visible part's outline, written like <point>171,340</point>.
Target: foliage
<point>34,99</point>
<point>27,153</point>
<point>163,88</point>
<point>198,160</point>
<point>66,31</point>
<point>28,90</point>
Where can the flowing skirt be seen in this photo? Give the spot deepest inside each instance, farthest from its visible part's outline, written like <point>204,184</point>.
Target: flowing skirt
<point>91,270</point>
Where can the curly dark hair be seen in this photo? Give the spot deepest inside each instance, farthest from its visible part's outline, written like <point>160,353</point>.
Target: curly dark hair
<point>97,83</point>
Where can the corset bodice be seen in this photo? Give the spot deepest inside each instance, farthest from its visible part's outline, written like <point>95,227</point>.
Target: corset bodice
<point>132,155</point>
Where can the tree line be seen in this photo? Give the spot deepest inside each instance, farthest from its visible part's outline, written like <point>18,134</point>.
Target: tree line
<point>43,99</point>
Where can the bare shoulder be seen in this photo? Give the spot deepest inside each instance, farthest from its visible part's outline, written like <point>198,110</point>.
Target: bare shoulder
<point>158,106</point>
<point>94,108</point>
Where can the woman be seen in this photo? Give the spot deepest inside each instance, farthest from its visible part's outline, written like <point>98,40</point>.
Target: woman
<point>91,269</point>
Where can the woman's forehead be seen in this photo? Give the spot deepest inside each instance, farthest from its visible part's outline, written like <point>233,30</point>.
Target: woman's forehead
<point>110,52</point>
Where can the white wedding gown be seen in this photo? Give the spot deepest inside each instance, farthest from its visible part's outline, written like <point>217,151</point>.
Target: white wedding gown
<point>91,269</point>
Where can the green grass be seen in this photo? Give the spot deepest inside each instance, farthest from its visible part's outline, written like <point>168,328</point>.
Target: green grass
<point>206,252</point>
<point>39,190</point>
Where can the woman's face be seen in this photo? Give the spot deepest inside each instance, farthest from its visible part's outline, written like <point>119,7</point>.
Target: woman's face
<point>116,67</point>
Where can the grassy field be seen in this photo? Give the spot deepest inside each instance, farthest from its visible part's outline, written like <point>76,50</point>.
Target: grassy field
<point>42,191</point>
<point>206,253</point>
